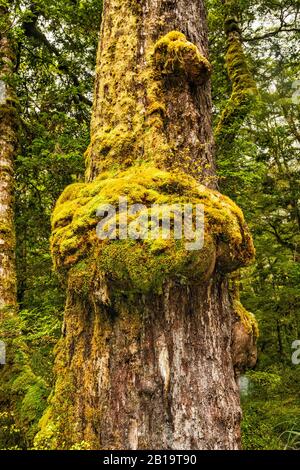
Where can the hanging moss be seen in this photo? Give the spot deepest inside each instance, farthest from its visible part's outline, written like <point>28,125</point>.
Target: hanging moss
<point>244,90</point>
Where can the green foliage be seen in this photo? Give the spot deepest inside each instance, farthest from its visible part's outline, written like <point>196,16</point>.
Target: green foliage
<point>27,377</point>
<point>55,48</point>
<point>261,173</point>
<point>10,434</point>
<point>271,415</point>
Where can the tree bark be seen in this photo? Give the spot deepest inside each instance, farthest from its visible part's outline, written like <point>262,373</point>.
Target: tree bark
<point>143,367</point>
<point>126,96</point>
<point>8,145</point>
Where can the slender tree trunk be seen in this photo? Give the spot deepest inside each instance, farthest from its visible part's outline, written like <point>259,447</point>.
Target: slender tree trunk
<point>141,365</point>
<point>8,144</point>
<point>279,339</point>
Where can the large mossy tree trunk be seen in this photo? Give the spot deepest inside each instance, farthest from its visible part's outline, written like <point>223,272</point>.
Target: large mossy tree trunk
<point>153,336</point>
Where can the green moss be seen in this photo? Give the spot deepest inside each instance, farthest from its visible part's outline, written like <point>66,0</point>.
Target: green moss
<point>244,90</point>
<point>115,144</point>
<point>51,428</point>
<point>247,318</point>
<point>175,55</point>
<point>144,265</point>
<point>129,125</point>
<point>32,407</point>
<point>23,381</point>
<point>156,107</point>
<point>9,112</point>
<point>5,228</point>
<point>46,438</point>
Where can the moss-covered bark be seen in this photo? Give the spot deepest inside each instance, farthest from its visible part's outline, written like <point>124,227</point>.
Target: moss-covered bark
<point>244,91</point>
<point>148,106</point>
<point>14,373</point>
<point>147,355</point>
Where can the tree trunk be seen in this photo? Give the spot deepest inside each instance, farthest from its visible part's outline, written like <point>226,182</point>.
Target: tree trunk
<point>129,96</point>
<point>152,334</point>
<point>8,144</point>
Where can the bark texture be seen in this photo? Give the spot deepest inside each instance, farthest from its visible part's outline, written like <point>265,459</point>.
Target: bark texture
<point>8,145</point>
<point>139,113</point>
<point>152,337</point>
<point>157,375</point>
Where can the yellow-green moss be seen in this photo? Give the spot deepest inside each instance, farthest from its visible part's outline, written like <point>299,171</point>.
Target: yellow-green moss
<point>52,428</point>
<point>128,124</point>
<point>5,227</point>
<point>244,90</point>
<point>9,112</point>
<point>247,318</point>
<point>242,314</point>
<point>174,54</point>
<point>143,265</point>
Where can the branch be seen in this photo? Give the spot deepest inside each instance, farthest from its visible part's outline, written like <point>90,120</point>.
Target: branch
<point>279,238</point>
<point>281,29</point>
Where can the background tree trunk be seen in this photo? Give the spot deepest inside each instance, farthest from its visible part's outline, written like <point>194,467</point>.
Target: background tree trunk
<point>8,144</point>
<point>146,368</point>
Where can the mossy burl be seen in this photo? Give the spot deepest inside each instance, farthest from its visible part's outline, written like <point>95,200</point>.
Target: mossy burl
<point>144,265</point>
<point>247,318</point>
<point>175,55</point>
